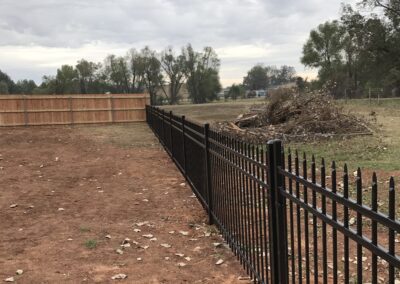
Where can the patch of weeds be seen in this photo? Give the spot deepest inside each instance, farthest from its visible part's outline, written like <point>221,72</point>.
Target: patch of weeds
<point>91,244</point>
<point>84,229</point>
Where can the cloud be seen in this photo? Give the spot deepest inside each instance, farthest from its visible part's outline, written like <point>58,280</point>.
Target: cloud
<point>43,34</point>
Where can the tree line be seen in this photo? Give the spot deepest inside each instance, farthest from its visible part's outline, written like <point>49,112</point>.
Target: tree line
<point>162,75</point>
<point>359,51</point>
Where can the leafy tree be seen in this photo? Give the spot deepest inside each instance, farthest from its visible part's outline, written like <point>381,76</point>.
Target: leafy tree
<point>7,81</point>
<point>117,71</point>
<point>3,88</point>
<point>87,76</point>
<point>257,78</point>
<point>323,49</point>
<point>236,91</point>
<point>67,80</point>
<point>202,74</point>
<point>137,70</point>
<point>174,67</point>
<point>25,87</point>
<point>152,76</point>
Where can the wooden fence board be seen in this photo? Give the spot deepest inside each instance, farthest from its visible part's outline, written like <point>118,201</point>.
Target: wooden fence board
<point>18,110</point>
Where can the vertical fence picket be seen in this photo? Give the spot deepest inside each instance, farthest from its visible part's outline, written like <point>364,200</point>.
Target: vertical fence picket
<point>359,227</point>
<point>306,240</point>
<point>374,227</point>
<point>324,239</point>
<point>314,219</point>
<point>392,216</point>
<point>334,232</point>
<point>346,225</point>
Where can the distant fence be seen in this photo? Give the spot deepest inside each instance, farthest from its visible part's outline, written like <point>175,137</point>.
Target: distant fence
<point>283,224</point>
<point>17,110</point>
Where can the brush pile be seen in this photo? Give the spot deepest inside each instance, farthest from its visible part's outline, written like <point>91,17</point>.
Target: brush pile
<point>295,117</point>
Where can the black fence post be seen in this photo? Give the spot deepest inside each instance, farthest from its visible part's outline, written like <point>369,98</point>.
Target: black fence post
<point>208,173</point>
<point>183,144</point>
<point>277,214</point>
<point>170,134</point>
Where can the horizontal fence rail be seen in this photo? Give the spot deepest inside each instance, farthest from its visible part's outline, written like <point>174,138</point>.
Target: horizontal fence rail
<point>287,220</point>
<point>18,110</point>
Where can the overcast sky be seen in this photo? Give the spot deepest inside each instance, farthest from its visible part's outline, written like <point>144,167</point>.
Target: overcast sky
<point>38,36</point>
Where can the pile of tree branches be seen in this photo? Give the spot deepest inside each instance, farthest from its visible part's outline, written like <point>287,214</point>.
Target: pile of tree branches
<point>293,116</point>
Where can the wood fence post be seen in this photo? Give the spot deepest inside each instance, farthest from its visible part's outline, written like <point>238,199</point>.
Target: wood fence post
<point>26,122</point>
<point>71,111</point>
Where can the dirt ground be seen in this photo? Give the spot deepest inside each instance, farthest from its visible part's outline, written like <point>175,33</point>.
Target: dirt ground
<point>70,196</point>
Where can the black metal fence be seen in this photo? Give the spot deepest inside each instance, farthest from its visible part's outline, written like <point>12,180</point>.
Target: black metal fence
<point>285,221</point>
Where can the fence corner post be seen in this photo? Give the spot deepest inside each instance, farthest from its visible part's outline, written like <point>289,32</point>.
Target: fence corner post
<point>208,173</point>
<point>277,214</point>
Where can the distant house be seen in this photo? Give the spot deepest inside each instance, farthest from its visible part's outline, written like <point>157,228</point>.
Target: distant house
<point>261,93</point>
<point>224,93</point>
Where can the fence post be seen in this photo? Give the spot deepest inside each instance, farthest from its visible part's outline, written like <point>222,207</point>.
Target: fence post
<point>26,122</point>
<point>208,173</point>
<point>277,214</point>
<point>71,110</point>
<point>163,126</point>
<point>170,134</point>
<point>183,144</point>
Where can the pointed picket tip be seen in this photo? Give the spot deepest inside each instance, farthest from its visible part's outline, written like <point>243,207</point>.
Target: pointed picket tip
<point>333,166</point>
<point>313,158</point>
<point>323,162</point>
<point>359,172</point>
<point>374,177</point>
<point>345,169</point>
<point>391,183</point>
<point>297,153</point>
<point>289,151</point>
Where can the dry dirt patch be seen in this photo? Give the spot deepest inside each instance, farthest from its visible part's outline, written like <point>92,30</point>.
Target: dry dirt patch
<point>78,193</point>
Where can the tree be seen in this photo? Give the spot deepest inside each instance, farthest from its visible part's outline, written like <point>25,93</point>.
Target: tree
<point>7,81</point>
<point>87,72</point>
<point>174,69</point>
<point>137,70</point>
<point>152,76</point>
<point>202,74</point>
<point>236,91</point>
<point>117,72</point>
<point>67,80</point>
<point>257,78</point>
<point>3,88</point>
<point>25,87</point>
<point>323,50</point>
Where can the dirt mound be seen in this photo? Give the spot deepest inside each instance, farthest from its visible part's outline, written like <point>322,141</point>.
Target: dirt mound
<point>293,116</point>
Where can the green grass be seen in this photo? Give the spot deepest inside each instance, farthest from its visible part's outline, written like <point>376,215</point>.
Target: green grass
<point>91,244</point>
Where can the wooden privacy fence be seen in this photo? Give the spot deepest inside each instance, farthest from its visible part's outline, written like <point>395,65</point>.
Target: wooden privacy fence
<point>17,110</point>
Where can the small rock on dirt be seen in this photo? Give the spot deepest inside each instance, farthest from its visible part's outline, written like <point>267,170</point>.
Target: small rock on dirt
<point>181,264</point>
<point>119,276</point>
<point>119,251</point>
<point>19,272</point>
<point>13,205</point>
<point>219,262</point>
<point>9,279</point>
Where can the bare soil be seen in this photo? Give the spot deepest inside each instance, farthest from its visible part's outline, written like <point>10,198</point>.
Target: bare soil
<point>71,187</point>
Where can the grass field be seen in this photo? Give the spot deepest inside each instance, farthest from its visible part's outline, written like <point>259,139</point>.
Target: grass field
<point>380,152</point>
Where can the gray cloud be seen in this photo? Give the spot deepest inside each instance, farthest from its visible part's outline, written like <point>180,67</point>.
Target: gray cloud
<point>278,26</point>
